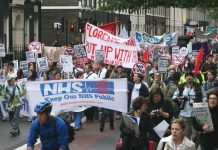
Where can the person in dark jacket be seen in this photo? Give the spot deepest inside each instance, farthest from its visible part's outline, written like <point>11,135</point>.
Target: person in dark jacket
<point>209,136</point>
<point>159,110</point>
<point>136,139</point>
<point>138,88</point>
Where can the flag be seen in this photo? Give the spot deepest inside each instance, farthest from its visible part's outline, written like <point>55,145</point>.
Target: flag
<point>110,27</point>
<point>124,33</point>
<point>145,57</point>
<point>199,60</point>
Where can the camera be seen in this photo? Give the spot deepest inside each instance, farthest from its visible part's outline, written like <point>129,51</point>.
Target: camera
<point>157,112</point>
<point>180,101</point>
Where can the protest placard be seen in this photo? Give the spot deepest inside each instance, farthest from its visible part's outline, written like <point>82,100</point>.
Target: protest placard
<point>42,64</point>
<point>66,94</point>
<point>175,50</point>
<point>24,66</point>
<point>16,64</point>
<point>80,53</point>
<point>163,64</point>
<point>35,47</point>
<point>2,50</point>
<point>2,75</point>
<point>183,51</point>
<point>161,128</point>
<point>202,114</point>
<point>69,51</point>
<point>177,59</point>
<point>139,68</point>
<point>118,51</point>
<point>30,56</point>
<point>66,63</point>
<point>131,122</point>
<point>99,54</point>
<point>194,53</point>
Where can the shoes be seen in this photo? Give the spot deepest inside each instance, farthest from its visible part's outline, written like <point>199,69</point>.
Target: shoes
<point>77,128</point>
<point>118,117</point>
<point>112,128</point>
<point>13,134</point>
<point>89,121</point>
<point>101,129</point>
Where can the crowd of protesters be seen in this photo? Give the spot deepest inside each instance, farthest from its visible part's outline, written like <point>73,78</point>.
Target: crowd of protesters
<point>153,97</point>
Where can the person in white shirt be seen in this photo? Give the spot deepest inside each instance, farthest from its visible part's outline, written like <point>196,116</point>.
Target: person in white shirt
<point>89,74</point>
<point>99,65</point>
<point>11,70</point>
<point>177,140</point>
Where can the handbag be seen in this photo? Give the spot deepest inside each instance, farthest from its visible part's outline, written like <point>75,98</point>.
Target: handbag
<point>119,143</point>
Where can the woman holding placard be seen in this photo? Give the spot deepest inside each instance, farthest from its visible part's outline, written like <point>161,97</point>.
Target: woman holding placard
<point>209,135</point>
<point>134,137</point>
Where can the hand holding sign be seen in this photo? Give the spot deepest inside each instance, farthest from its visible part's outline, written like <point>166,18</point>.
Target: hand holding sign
<point>139,68</point>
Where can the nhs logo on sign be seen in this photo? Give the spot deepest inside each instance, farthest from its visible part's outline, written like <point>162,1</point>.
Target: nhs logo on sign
<point>55,88</point>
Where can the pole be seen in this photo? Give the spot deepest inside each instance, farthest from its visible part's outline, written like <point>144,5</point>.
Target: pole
<point>169,19</point>
<point>66,35</point>
<point>138,19</point>
<point>174,18</point>
<point>145,16</point>
<point>153,23</point>
<point>165,26</point>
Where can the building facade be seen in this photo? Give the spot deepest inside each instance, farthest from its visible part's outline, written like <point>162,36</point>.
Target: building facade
<point>19,25</point>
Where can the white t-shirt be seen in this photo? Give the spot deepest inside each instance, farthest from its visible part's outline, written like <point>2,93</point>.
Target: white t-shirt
<point>135,92</point>
<point>90,76</point>
<point>102,73</point>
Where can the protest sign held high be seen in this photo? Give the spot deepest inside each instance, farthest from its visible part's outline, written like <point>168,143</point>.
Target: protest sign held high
<point>2,50</point>
<point>16,64</point>
<point>65,94</point>
<point>66,63</point>
<point>80,53</point>
<point>30,56</point>
<point>42,64</point>
<point>162,64</point>
<point>118,51</point>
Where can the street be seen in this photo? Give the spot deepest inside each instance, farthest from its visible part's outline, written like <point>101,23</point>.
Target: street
<point>88,138</point>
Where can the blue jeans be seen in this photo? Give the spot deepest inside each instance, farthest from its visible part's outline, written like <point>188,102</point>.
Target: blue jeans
<point>77,119</point>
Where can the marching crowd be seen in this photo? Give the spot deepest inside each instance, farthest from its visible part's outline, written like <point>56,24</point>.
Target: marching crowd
<point>153,97</point>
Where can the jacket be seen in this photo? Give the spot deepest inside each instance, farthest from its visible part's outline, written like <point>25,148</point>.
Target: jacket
<point>130,141</point>
<point>209,139</point>
<point>167,107</point>
<point>143,91</point>
<point>50,137</point>
<point>169,145</point>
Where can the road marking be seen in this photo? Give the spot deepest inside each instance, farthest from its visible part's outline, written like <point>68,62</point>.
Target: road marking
<point>24,147</point>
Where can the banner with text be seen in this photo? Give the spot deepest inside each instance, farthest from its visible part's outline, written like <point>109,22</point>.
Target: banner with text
<point>118,51</point>
<point>66,94</point>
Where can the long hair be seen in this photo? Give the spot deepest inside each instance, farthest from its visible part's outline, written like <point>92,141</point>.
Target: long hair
<point>156,90</point>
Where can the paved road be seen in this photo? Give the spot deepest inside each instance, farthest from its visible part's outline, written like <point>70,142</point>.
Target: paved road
<point>88,138</point>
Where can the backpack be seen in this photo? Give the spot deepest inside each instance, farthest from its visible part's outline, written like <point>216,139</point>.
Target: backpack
<point>71,130</point>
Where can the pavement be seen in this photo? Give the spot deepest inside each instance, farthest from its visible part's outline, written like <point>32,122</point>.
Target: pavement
<point>87,138</point>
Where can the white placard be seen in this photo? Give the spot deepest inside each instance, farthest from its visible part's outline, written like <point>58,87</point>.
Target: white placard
<point>66,94</point>
<point>66,63</point>
<point>16,64</point>
<point>183,51</point>
<point>202,114</point>
<point>139,68</point>
<point>42,64</point>
<point>161,128</point>
<point>2,74</point>
<point>2,50</point>
<point>163,64</point>
<point>99,54</point>
<point>175,50</point>
<point>24,66</point>
<point>30,56</point>
<point>35,47</point>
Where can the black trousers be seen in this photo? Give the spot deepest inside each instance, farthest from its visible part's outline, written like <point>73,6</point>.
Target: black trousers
<point>89,113</point>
